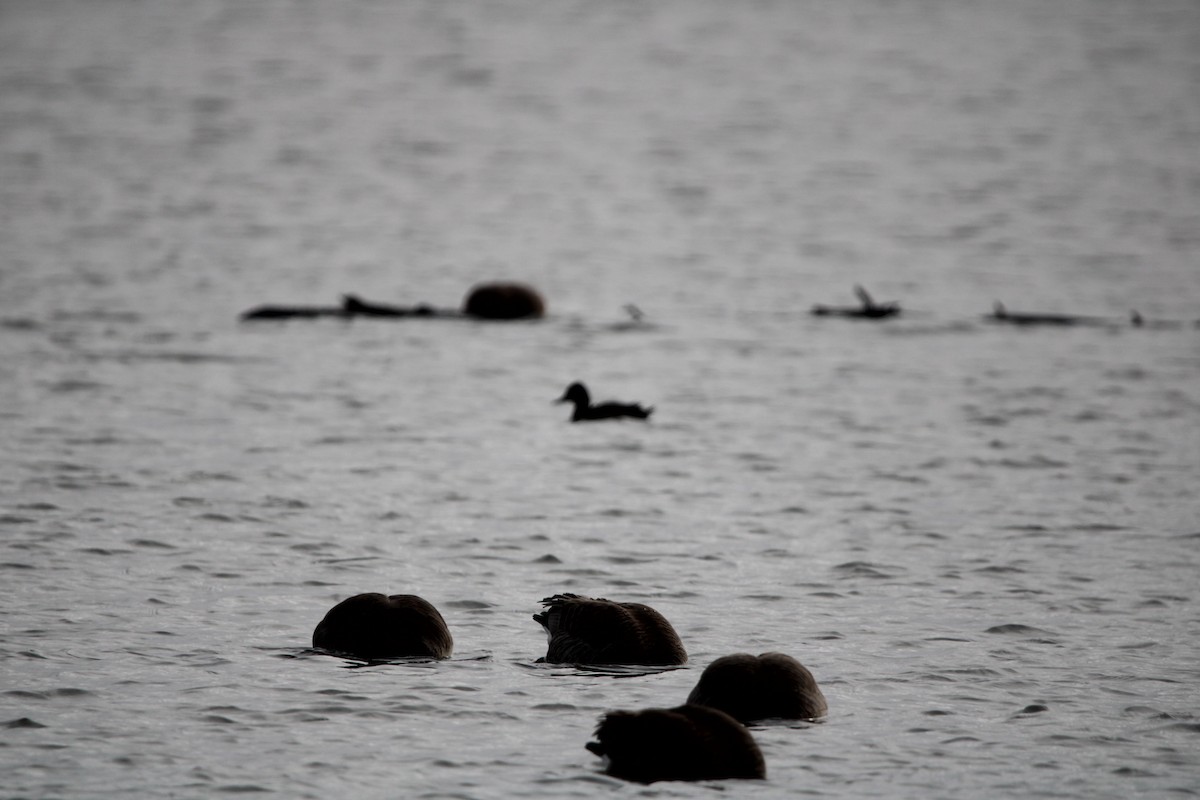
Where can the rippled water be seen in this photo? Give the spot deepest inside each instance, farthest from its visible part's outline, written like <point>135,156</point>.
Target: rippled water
<point>982,539</point>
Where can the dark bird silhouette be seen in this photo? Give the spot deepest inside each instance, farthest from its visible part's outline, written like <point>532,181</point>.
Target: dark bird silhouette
<point>374,626</point>
<point>868,310</point>
<point>583,630</point>
<point>577,393</point>
<point>766,686</point>
<point>688,743</point>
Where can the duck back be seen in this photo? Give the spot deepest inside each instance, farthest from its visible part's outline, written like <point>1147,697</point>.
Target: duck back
<point>766,686</point>
<point>585,630</point>
<point>687,743</point>
<point>374,625</point>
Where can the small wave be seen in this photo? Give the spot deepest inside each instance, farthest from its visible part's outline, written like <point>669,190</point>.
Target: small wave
<point>865,569</point>
<point>151,543</point>
<point>23,722</point>
<point>1017,629</point>
<point>470,605</point>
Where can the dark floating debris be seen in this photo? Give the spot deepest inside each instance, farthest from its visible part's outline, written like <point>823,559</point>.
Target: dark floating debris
<point>868,310</point>
<point>577,393</point>
<point>1003,315</point>
<point>496,301</point>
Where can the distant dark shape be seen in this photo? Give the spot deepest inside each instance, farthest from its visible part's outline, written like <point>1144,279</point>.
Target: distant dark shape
<point>292,312</point>
<point>767,686</point>
<point>868,310</point>
<point>352,305</point>
<point>374,626</point>
<point>486,301</point>
<point>688,743</point>
<point>584,630</point>
<point>577,393</point>
<point>1003,315</point>
<point>504,301</point>
<point>1138,321</point>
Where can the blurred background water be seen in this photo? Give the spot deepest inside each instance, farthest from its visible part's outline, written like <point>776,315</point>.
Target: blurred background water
<point>982,539</point>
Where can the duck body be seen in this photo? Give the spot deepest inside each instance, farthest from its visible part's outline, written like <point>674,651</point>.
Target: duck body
<point>766,686</point>
<point>504,300</point>
<point>687,743</point>
<point>374,626</point>
<point>585,630</point>
<point>868,309</point>
<point>578,394</point>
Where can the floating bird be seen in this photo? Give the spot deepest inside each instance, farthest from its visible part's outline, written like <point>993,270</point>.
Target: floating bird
<point>584,630</point>
<point>577,393</point>
<point>688,743</point>
<point>374,626</point>
<point>868,310</point>
<point>759,687</point>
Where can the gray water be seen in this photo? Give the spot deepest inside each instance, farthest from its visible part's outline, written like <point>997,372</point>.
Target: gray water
<point>982,539</point>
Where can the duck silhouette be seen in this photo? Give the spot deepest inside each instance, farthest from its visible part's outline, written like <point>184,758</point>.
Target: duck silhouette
<point>766,686</point>
<point>577,393</point>
<point>687,743</point>
<point>868,309</point>
<point>585,630</point>
<point>373,626</point>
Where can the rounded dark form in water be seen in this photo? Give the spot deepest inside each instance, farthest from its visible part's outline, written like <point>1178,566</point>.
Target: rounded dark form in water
<point>504,301</point>
<point>578,395</point>
<point>688,743</point>
<point>373,625</point>
<point>766,686</point>
<point>584,630</point>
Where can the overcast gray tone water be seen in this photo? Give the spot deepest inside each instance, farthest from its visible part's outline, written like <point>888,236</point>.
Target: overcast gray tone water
<point>981,538</point>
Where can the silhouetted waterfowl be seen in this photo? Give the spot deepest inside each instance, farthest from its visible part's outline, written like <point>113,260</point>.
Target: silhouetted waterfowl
<point>751,688</point>
<point>868,310</point>
<point>503,301</point>
<point>373,626</point>
<point>585,630</point>
<point>688,743</point>
<point>577,393</point>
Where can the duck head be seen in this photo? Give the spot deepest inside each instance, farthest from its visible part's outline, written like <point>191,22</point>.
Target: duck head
<point>576,393</point>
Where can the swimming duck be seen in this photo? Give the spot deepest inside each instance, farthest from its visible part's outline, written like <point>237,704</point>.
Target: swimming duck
<point>868,310</point>
<point>585,630</point>
<point>577,393</point>
<point>373,626</point>
<point>687,743</point>
<point>749,688</point>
